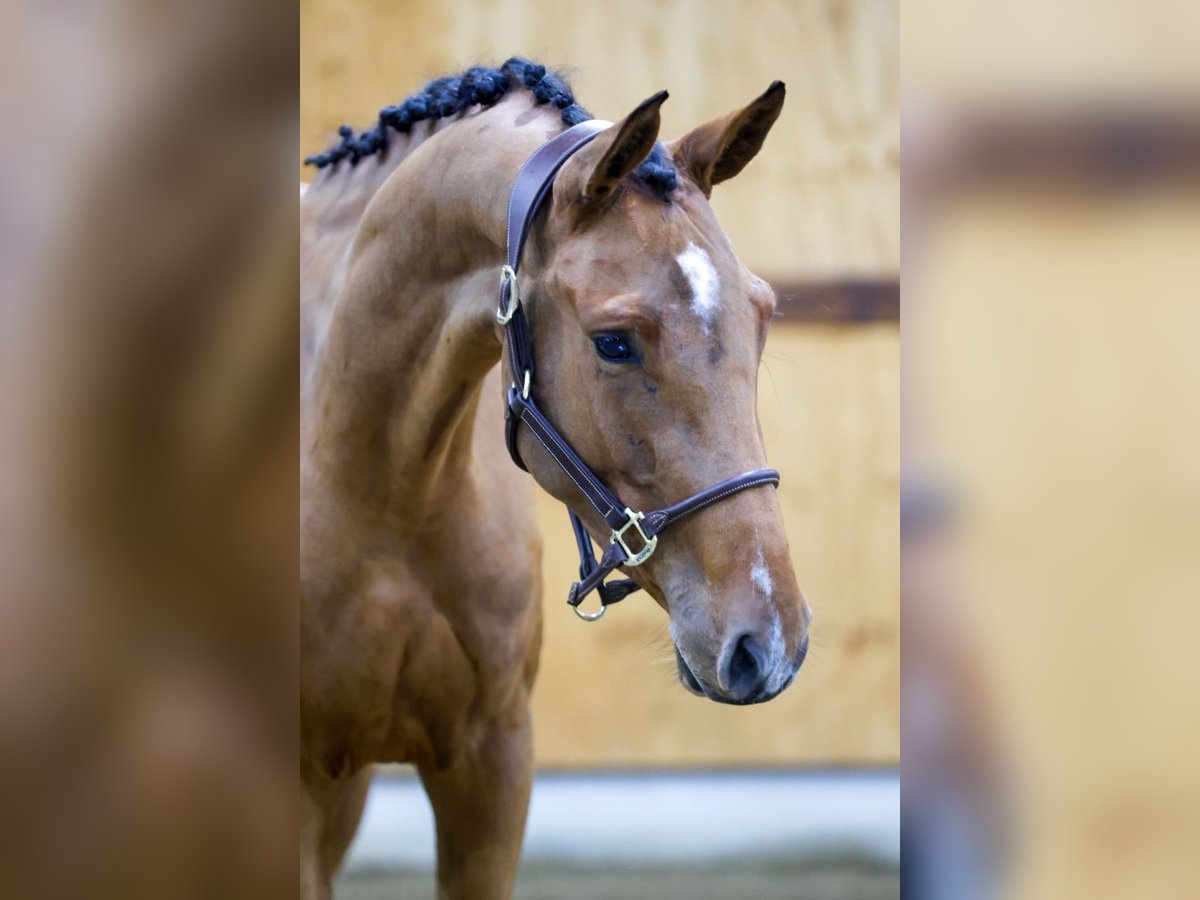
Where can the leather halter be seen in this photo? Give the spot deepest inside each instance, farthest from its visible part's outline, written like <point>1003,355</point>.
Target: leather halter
<point>530,189</point>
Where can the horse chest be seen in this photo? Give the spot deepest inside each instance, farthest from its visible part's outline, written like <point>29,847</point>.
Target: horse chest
<point>438,657</point>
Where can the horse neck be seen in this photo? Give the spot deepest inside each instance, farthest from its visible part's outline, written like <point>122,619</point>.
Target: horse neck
<point>405,332</point>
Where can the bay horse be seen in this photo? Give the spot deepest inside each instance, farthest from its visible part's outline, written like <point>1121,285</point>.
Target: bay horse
<point>420,554</point>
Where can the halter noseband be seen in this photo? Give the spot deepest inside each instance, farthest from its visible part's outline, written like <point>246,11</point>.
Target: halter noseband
<point>529,191</point>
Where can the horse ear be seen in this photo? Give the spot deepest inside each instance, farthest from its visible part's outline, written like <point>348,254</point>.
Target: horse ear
<point>718,150</point>
<point>622,148</point>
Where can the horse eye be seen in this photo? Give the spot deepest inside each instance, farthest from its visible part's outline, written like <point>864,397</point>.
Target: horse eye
<point>617,348</point>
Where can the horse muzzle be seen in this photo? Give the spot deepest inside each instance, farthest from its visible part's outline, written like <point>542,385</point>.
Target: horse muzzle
<point>746,671</point>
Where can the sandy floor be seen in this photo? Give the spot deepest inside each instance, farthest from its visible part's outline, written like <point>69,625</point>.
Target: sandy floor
<point>833,880</point>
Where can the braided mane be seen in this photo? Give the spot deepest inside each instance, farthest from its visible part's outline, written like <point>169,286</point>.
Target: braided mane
<point>479,86</point>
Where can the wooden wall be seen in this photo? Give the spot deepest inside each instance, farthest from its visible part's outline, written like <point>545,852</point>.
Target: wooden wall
<point>821,200</point>
<point>820,203</point>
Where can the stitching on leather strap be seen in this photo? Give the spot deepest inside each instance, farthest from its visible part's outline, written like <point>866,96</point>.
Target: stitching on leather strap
<point>566,455</point>
<point>736,489</point>
<point>582,490</point>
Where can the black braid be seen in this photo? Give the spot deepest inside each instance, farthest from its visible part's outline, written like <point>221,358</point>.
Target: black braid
<point>479,86</point>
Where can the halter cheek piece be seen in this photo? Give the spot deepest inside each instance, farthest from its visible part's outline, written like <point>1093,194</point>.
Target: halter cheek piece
<point>634,534</point>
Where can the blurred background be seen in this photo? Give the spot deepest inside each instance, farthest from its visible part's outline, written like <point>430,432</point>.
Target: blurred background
<point>148,434</point>
<point>802,793</point>
<point>1051,504</point>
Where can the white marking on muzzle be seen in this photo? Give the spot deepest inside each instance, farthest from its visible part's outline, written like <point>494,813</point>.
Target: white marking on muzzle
<point>777,654</point>
<point>761,575</point>
<point>303,188</point>
<point>702,277</point>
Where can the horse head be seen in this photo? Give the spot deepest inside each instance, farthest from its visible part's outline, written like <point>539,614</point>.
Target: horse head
<point>649,332</point>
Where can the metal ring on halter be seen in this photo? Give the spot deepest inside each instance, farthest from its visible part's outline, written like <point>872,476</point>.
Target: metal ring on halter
<point>590,617</point>
<point>508,278</point>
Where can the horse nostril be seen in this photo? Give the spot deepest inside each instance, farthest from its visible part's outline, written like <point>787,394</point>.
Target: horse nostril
<point>744,668</point>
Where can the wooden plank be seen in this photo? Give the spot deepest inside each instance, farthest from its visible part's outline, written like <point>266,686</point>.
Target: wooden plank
<point>1077,149</point>
<point>850,301</point>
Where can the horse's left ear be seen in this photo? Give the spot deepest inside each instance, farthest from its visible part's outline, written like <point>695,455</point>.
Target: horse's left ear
<point>623,147</point>
<point>718,150</point>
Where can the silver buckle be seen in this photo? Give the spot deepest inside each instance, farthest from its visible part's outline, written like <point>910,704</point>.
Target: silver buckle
<point>508,278</point>
<point>618,537</point>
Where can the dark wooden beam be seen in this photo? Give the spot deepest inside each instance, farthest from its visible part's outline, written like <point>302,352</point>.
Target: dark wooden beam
<point>1094,150</point>
<point>843,301</point>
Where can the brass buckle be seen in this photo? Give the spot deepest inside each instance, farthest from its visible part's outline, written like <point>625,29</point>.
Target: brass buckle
<point>508,278</point>
<point>649,543</point>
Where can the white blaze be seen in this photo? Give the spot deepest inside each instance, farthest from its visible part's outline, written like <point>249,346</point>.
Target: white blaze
<point>706,287</point>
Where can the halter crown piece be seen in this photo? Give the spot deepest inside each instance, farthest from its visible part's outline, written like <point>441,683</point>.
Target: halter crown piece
<point>529,191</point>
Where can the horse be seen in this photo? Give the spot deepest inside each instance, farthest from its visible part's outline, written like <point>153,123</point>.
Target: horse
<point>420,555</point>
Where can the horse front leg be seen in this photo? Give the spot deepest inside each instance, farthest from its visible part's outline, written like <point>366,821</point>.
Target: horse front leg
<point>330,811</point>
<point>479,804</point>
